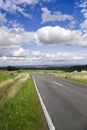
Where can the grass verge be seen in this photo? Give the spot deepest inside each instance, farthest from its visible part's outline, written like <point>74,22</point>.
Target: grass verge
<point>4,77</point>
<point>23,112</point>
<point>10,87</point>
<point>78,77</point>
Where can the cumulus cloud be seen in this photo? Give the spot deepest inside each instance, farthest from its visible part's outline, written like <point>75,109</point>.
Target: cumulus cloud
<point>26,57</point>
<point>11,50</point>
<point>17,36</point>
<point>12,39</point>
<point>57,35</point>
<point>14,36</point>
<point>47,16</point>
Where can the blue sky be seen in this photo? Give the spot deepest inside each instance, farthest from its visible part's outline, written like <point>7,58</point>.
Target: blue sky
<point>39,32</point>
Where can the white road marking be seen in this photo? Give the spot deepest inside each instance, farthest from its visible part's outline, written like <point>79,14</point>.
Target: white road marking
<point>47,116</point>
<point>58,83</point>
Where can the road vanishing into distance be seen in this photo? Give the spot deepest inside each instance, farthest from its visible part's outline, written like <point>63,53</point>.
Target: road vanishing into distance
<point>66,101</point>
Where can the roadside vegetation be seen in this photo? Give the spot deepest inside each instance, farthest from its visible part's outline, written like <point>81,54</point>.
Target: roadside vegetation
<point>20,108</point>
<point>75,76</point>
<point>4,75</point>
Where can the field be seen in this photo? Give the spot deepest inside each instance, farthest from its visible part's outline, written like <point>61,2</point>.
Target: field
<point>75,76</point>
<point>20,108</point>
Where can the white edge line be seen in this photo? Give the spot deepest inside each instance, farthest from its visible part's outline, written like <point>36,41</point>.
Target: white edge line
<point>47,116</point>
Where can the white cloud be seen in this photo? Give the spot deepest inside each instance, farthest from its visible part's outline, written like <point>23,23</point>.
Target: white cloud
<point>11,39</point>
<point>14,36</point>
<point>58,35</point>
<point>29,2</point>
<point>14,5</point>
<point>2,18</point>
<point>25,57</point>
<point>84,24</point>
<point>72,24</point>
<point>83,6</point>
<point>47,16</point>
<point>12,52</point>
<point>19,52</point>
<point>22,11</point>
<point>84,12</point>
<point>14,24</point>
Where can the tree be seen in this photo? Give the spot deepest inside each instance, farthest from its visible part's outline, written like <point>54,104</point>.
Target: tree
<point>11,68</point>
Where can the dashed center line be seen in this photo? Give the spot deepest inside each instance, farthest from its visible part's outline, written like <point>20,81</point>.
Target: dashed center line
<point>58,83</point>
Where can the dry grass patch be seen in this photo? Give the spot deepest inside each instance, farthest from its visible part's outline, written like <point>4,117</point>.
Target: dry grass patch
<point>75,76</point>
<point>16,87</point>
<point>10,87</point>
<point>20,76</point>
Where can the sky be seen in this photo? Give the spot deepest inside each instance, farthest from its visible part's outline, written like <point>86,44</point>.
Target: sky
<point>43,32</point>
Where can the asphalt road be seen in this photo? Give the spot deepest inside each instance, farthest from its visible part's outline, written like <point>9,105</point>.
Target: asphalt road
<point>66,102</point>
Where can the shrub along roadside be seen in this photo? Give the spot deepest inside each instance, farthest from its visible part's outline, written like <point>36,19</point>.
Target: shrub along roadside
<point>23,112</point>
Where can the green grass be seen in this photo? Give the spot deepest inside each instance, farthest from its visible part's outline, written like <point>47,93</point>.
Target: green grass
<point>4,76</point>
<point>80,80</point>
<point>23,112</point>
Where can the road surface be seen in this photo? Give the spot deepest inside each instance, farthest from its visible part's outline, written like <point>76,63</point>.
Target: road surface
<point>66,102</point>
